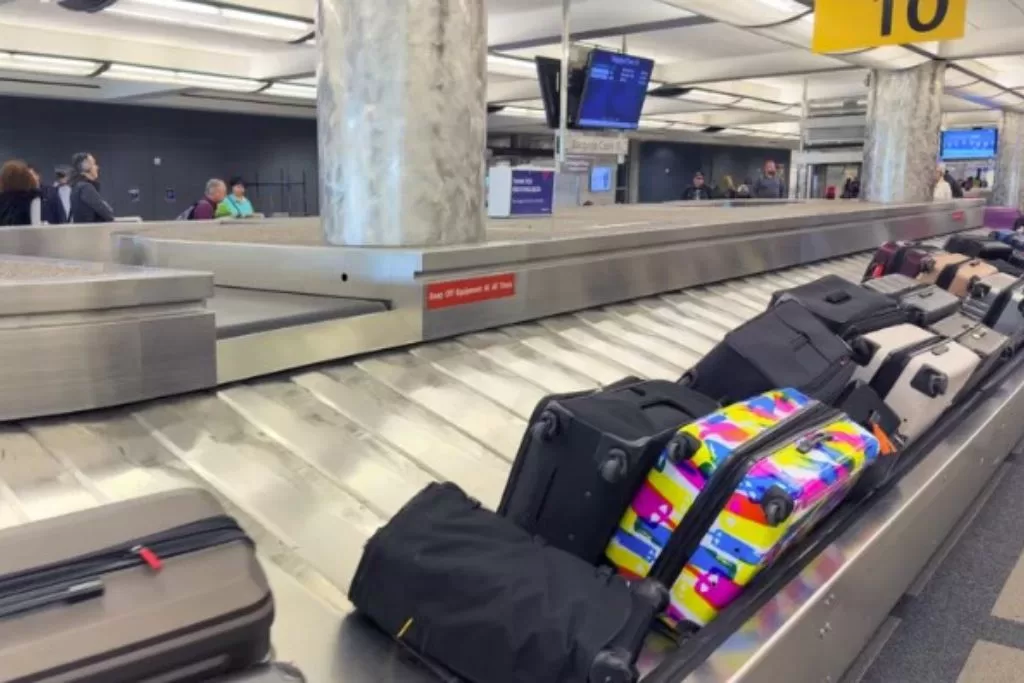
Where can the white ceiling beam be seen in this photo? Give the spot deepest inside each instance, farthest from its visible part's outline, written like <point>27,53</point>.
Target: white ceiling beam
<point>786,63</point>
<point>41,40</point>
<point>990,43</point>
<point>513,91</point>
<point>125,91</point>
<point>747,89</point>
<point>292,62</point>
<point>302,9</point>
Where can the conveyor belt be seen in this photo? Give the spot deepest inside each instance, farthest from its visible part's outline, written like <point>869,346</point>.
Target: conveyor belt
<point>313,462</point>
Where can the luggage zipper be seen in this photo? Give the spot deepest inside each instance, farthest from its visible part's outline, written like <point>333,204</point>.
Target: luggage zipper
<point>149,551</point>
<point>696,523</point>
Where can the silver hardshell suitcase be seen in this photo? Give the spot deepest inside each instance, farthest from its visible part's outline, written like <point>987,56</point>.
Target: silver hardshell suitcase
<point>985,295</point>
<point>270,673</point>
<point>894,285</point>
<point>161,588</point>
<point>872,350</point>
<point>1007,315</point>
<point>929,304</point>
<point>921,382</point>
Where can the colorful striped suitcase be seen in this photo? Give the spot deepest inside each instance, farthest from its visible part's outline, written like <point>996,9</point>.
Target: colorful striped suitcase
<point>731,492</point>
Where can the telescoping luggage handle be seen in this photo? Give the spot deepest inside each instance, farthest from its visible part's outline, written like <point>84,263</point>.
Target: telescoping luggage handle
<point>81,578</point>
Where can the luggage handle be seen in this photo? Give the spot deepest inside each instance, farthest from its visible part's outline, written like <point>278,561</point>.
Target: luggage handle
<point>838,297</point>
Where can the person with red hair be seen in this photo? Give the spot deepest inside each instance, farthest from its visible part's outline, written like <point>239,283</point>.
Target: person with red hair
<point>20,200</point>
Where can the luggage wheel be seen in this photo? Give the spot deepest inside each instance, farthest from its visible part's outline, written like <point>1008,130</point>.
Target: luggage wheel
<point>682,447</point>
<point>777,505</point>
<point>613,666</point>
<point>615,466</point>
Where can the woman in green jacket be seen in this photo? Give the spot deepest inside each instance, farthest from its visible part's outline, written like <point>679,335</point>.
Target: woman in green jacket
<point>235,205</point>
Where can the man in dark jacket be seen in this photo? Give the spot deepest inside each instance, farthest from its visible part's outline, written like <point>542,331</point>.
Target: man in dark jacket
<point>698,190</point>
<point>87,205</point>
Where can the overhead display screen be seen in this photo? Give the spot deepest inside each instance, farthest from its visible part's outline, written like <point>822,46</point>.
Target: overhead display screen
<point>969,144</point>
<point>615,90</point>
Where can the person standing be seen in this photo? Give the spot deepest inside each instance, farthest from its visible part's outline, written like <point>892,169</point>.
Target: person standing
<point>769,185</point>
<point>57,199</point>
<point>87,205</point>
<point>236,204</point>
<point>943,191</point>
<point>206,208</point>
<point>20,202</point>
<point>698,190</point>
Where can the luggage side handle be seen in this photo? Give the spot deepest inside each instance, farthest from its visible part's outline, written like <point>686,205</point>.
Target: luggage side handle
<point>64,593</point>
<point>838,297</point>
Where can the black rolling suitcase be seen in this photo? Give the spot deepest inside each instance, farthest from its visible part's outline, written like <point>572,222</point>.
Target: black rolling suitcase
<point>164,588</point>
<point>786,346</point>
<point>585,454</point>
<point>978,246</point>
<point>846,308</point>
<point>894,285</point>
<point>473,593</point>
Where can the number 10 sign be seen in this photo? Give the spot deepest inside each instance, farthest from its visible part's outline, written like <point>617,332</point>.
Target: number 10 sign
<point>855,24</point>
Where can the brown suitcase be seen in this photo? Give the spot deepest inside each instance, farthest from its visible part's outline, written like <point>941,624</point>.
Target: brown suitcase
<point>959,278</point>
<point>933,265</point>
<point>165,587</point>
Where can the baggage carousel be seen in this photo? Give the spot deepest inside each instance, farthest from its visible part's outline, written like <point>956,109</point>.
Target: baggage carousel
<point>318,431</point>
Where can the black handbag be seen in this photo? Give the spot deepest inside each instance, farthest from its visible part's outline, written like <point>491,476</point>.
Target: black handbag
<point>584,456</point>
<point>471,592</point>
<point>786,346</point>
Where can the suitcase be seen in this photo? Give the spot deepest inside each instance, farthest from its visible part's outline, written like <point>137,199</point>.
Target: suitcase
<point>1005,236</point>
<point>269,673</point>
<point>784,346</point>
<point>872,351</point>
<point>936,263</point>
<point>985,294</point>
<point>1007,313</point>
<point>953,326</point>
<point>731,492</point>
<point>894,285</point>
<point>994,349</point>
<point>897,257</point>
<point>863,405</point>
<point>978,246</point>
<point>846,308</point>
<point>585,454</point>
<point>929,304</point>
<point>958,278</point>
<point>471,591</point>
<point>919,382</point>
<point>164,587</point>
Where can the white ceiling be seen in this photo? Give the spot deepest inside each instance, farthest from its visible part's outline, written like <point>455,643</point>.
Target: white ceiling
<point>747,78</point>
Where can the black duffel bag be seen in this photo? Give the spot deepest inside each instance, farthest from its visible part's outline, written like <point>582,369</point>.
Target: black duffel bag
<point>786,346</point>
<point>584,456</point>
<point>469,591</point>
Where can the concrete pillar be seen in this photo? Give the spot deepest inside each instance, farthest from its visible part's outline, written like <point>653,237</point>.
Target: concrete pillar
<point>402,121</point>
<point>902,147</point>
<point>1008,188</point>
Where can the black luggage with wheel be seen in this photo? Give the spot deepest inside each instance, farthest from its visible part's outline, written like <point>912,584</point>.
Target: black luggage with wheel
<point>978,246</point>
<point>846,308</point>
<point>786,346</point>
<point>585,454</point>
<point>475,594</point>
<point>863,405</point>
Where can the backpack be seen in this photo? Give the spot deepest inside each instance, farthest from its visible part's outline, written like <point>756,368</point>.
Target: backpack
<point>188,214</point>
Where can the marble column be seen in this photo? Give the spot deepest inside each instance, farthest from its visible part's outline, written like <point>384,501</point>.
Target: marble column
<point>1008,188</point>
<point>902,146</point>
<point>402,121</point>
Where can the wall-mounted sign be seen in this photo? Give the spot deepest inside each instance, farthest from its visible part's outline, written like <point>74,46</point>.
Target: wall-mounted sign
<point>584,144</point>
<point>522,191</point>
<point>170,195</point>
<point>576,165</point>
<point>133,194</point>
<point>856,24</point>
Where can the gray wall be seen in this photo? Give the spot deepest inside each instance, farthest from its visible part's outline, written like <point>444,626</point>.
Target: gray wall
<point>667,168</point>
<point>192,146</point>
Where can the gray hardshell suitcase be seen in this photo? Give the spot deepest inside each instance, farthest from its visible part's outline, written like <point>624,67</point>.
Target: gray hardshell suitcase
<point>271,673</point>
<point>164,588</point>
<point>985,294</point>
<point>929,304</point>
<point>894,285</point>
<point>953,326</point>
<point>1007,314</point>
<point>920,382</point>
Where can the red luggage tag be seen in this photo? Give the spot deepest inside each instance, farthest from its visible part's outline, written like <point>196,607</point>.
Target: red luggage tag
<point>149,557</point>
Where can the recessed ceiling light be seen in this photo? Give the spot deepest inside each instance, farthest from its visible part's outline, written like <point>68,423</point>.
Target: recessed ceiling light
<point>188,79</point>
<point>212,17</point>
<point>47,65</point>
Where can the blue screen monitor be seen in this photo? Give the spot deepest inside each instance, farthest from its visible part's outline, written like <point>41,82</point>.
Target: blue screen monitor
<point>615,90</point>
<point>978,143</point>
<point>601,179</point>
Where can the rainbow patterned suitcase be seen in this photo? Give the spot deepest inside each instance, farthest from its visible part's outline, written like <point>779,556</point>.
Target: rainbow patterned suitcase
<point>731,492</point>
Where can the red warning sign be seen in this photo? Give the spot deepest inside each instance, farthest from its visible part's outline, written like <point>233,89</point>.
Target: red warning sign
<point>470,290</point>
<point>959,216</point>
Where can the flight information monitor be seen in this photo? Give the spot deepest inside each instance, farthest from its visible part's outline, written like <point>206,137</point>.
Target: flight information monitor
<point>615,90</point>
<point>979,143</point>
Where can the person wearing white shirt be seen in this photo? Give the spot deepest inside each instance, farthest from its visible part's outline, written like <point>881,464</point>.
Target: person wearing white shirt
<point>943,192</point>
